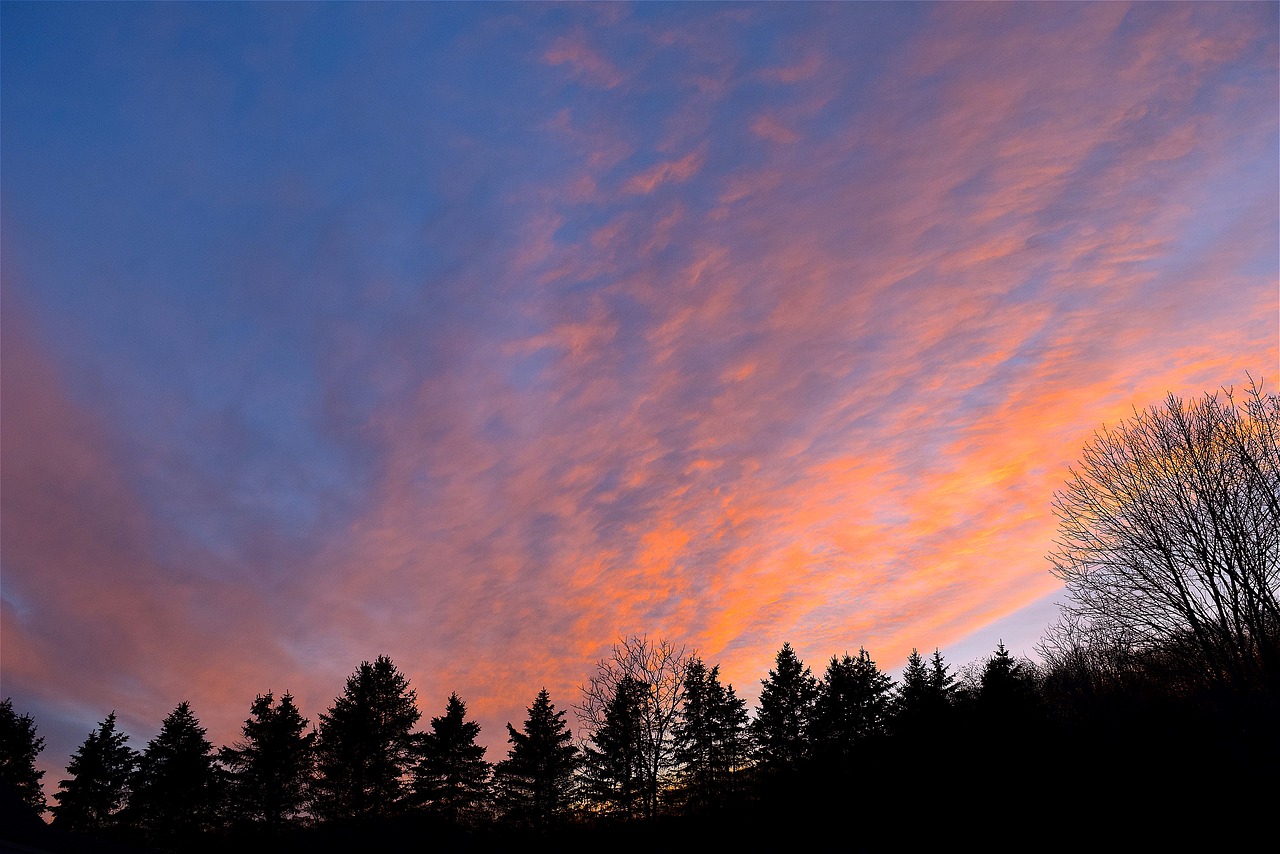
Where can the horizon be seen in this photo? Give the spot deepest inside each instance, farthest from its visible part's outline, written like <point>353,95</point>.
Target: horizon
<point>481,336</point>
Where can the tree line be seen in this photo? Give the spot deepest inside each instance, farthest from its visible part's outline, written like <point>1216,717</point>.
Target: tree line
<point>1160,679</point>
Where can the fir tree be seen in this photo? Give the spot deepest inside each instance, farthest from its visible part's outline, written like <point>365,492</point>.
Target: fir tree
<point>452,777</point>
<point>535,783</point>
<point>711,739</point>
<point>853,704</point>
<point>19,748</point>
<point>176,787</point>
<point>270,769</point>
<point>781,724</point>
<point>924,698</point>
<point>365,744</point>
<point>101,769</point>
<point>1009,692</point>
<point>615,756</point>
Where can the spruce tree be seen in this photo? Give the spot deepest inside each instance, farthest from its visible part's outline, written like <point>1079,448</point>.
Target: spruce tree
<point>176,788</point>
<point>270,768</point>
<point>781,724</point>
<point>1009,692</point>
<point>90,801</point>
<point>452,776</point>
<point>711,739</point>
<point>19,747</point>
<point>615,754</point>
<point>853,704</point>
<point>535,783</point>
<point>365,744</point>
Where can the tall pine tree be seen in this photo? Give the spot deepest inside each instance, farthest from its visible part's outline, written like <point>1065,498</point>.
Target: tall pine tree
<point>365,744</point>
<point>853,704</point>
<point>711,740</point>
<point>270,768</point>
<point>452,776</point>
<point>535,783</point>
<point>90,801</point>
<point>176,792</point>
<point>19,747</point>
<point>616,769</point>
<point>782,719</point>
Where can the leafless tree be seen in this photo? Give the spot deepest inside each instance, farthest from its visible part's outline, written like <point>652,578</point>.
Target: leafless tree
<point>660,668</point>
<point>1170,533</point>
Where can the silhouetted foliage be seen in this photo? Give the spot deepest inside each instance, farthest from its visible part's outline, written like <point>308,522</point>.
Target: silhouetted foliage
<point>19,747</point>
<point>655,673</point>
<point>1009,690</point>
<point>270,769</point>
<point>176,792</point>
<point>615,770</point>
<point>853,704</point>
<point>535,783</point>
<point>781,724</point>
<point>452,776</point>
<point>923,700</point>
<point>1170,536</point>
<point>365,744</point>
<point>101,770</point>
<point>712,745</point>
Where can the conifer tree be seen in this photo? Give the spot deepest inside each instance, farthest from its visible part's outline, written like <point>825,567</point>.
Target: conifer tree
<point>176,790</point>
<point>1008,692</point>
<point>19,747</point>
<point>853,703</point>
<point>90,801</point>
<point>711,739</point>
<point>535,783</point>
<point>615,756</point>
<point>365,744</point>
<point>452,776</point>
<point>781,724</point>
<point>270,769</point>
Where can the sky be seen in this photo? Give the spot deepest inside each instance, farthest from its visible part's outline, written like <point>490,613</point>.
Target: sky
<point>484,335</point>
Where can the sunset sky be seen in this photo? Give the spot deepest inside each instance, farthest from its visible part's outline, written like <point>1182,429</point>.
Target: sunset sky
<point>480,335</point>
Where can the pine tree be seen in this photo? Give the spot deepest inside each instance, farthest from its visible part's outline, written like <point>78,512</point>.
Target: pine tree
<point>535,783</point>
<point>781,724</point>
<point>1008,693</point>
<point>452,776</point>
<point>711,739</point>
<point>270,769</point>
<point>176,788</point>
<point>853,704</point>
<point>19,748</point>
<point>101,770</point>
<point>365,744</point>
<point>615,756</point>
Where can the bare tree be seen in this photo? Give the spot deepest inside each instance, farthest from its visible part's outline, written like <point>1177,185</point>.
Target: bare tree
<point>1170,533</point>
<point>659,668</point>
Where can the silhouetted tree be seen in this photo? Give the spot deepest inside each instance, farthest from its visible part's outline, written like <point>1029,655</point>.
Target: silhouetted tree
<point>365,743</point>
<point>1170,534</point>
<point>1009,691</point>
<point>176,792</point>
<point>452,776</point>
<point>780,727</point>
<point>852,706</point>
<point>658,669</point>
<point>101,770</point>
<point>923,699</point>
<point>535,783</point>
<point>271,767</point>
<point>616,765</point>
<point>19,747</point>
<point>711,740</point>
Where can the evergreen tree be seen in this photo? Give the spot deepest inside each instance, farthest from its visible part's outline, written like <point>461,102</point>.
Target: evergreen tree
<point>711,739</point>
<point>19,748</point>
<point>535,783</point>
<point>781,724</point>
<point>101,769</point>
<point>365,744</point>
<point>853,704</point>
<point>452,777</point>
<point>1009,691</point>
<point>615,756</point>
<point>270,769</point>
<point>924,697</point>
<point>176,788</point>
